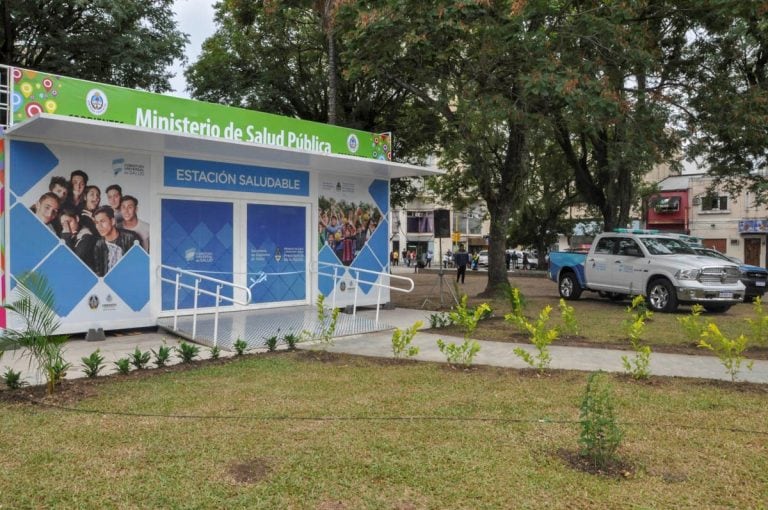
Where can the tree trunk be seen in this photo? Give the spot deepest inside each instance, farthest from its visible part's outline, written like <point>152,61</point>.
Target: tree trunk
<point>500,211</point>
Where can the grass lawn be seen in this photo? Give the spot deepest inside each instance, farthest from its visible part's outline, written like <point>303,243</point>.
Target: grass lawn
<point>600,319</point>
<point>319,431</point>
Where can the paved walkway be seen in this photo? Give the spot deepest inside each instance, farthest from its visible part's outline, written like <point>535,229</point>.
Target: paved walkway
<point>378,344</point>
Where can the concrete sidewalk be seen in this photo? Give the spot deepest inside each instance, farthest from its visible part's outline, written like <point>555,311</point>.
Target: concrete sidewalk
<point>379,344</point>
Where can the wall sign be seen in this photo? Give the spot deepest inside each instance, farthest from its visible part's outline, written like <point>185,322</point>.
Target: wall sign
<point>212,175</point>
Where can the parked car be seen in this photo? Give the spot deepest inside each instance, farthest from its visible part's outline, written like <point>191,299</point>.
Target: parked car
<point>482,258</point>
<point>754,278</point>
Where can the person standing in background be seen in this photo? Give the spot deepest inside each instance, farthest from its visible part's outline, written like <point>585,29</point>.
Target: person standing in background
<point>461,259</point>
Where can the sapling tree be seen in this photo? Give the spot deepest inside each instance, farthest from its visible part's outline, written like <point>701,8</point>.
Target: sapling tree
<point>541,337</point>
<point>467,319</point>
<point>730,352</point>
<point>693,325</point>
<point>600,435</point>
<point>401,341</point>
<point>638,366</point>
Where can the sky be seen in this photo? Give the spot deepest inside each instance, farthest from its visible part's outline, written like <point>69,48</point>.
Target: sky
<point>195,17</point>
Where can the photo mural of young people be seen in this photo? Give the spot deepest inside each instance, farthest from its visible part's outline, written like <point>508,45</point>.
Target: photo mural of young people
<point>352,232</point>
<point>79,217</point>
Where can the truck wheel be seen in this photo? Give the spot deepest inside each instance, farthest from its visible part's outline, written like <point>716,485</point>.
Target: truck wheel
<point>661,296</point>
<point>717,308</point>
<point>569,286</point>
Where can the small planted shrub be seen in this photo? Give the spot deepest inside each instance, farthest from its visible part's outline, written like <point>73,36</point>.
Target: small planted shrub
<point>187,352</point>
<point>123,366</point>
<point>139,359</point>
<point>440,320</point>
<point>215,352</point>
<point>240,346</point>
<point>517,301</point>
<point>12,379</point>
<point>693,325</point>
<point>639,366</point>
<point>93,364</point>
<point>461,355</point>
<point>540,335</point>
<point>328,319</point>
<point>35,307</point>
<point>600,435</point>
<point>401,341</point>
<point>272,343</point>
<point>759,325</point>
<point>568,315</point>
<point>730,352</point>
<point>467,319</point>
<point>291,339</point>
<point>162,355</point>
<point>58,370</point>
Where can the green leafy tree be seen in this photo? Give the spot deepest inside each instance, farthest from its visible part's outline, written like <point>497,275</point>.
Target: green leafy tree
<point>467,62</point>
<point>727,82</point>
<point>124,42</point>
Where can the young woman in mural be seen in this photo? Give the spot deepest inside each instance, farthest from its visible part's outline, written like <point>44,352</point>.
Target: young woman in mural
<point>92,202</point>
<point>78,180</point>
<point>47,210</point>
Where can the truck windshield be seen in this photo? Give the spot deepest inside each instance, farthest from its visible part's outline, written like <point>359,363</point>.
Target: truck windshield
<point>665,246</point>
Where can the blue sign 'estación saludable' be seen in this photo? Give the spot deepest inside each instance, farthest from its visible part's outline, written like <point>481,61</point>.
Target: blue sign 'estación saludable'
<point>211,175</point>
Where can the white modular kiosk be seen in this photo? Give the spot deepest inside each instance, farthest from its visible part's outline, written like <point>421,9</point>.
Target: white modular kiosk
<point>248,198</point>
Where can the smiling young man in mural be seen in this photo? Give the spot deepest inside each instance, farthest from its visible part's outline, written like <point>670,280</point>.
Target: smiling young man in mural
<point>128,207</point>
<point>114,196</point>
<point>114,242</point>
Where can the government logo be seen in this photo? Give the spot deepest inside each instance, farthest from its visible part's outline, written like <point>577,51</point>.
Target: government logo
<point>96,101</point>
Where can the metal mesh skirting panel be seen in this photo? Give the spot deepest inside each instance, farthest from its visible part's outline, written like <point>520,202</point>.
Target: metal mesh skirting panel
<point>256,326</point>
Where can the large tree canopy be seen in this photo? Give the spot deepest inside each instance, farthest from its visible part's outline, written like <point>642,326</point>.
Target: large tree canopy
<point>123,42</point>
<point>728,88</point>
<point>274,57</point>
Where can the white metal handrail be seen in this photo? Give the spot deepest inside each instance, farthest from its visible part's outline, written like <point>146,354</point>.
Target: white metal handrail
<point>176,281</point>
<point>324,269</point>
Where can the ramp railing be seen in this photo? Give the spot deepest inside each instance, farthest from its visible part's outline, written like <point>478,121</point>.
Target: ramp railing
<point>190,280</point>
<point>382,280</point>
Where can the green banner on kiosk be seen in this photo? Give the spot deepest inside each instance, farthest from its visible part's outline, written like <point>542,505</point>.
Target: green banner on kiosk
<point>35,92</point>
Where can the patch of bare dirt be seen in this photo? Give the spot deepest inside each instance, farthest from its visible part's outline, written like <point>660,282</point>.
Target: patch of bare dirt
<point>331,505</point>
<point>617,469</point>
<point>250,471</point>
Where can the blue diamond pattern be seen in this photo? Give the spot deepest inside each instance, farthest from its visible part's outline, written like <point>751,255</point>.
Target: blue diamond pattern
<point>35,159</point>
<point>379,243</point>
<point>379,190</point>
<point>69,279</point>
<point>128,276</point>
<point>325,283</point>
<point>366,260</point>
<point>31,241</point>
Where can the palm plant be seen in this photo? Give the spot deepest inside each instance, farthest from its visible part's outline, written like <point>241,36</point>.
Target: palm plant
<point>34,306</point>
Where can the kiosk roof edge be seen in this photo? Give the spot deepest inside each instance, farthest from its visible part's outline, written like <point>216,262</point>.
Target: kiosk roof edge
<point>51,127</point>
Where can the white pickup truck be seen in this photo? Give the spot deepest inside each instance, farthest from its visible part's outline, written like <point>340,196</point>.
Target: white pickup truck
<point>660,267</point>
